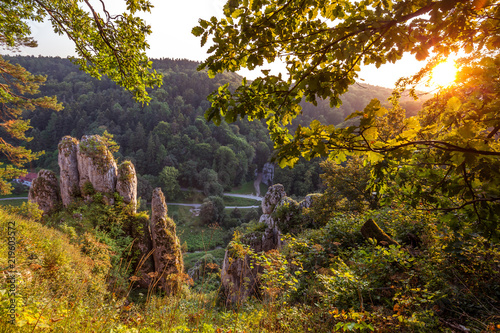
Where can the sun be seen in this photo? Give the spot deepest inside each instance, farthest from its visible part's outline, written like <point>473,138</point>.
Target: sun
<point>444,74</point>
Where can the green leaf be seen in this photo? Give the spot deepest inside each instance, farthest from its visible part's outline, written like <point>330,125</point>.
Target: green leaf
<point>453,104</point>
<point>197,31</point>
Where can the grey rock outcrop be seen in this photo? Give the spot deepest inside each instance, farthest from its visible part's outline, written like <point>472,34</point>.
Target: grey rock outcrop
<point>268,174</point>
<point>239,274</point>
<point>273,196</point>
<point>44,191</point>
<point>68,164</point>
<point>96,165</point>
<point>167,253</point>
<point>271,238</point>
<point>240,278</point>
<point>145,267</point>
<point>126,184</point>
<point>309,200</point>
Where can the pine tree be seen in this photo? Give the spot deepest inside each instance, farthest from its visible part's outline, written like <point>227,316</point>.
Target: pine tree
<point>16,85</point>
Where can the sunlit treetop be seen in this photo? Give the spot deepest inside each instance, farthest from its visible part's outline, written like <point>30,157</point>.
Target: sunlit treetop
<point>106,44</point>
<point>323,44</point>
<point>447,158</point>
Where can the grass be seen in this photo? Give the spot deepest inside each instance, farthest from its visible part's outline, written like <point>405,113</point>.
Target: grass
<point>200,238</point>
<point>247,188</point>
<point>23,194</point>
<point>182,215</point>
<point>49,267</point>
<point>189,229</point>
<point>234,201</point>
<point>63,285</point>
<point>13,202</point>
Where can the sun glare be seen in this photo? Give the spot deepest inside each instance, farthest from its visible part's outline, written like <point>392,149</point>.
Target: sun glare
<point>444,74</point>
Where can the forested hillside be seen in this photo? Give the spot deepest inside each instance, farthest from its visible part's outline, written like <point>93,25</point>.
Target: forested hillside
<point>170,131</point>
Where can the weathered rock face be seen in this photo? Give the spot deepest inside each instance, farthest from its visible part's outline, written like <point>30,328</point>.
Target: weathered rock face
<point>271,237</point>
<point>268,174</point>
<point>126,184</point>
<point>44,191</point>
<point>239,278</point>
<point>68,164</point>
<point>239,274</point>
<point>281,214</point>
<point>167,253</point>
<point>309,200</point>
<point>145,268</point>
<point>273,196</point>
<point>96,165</point>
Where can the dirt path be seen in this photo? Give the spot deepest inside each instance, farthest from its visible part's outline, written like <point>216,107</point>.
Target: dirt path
<point>246,196</point>
<point>199,205</point>
<point>15,198</point>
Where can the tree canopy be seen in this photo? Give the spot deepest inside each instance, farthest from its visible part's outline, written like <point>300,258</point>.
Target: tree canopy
<point>106,44</point>
<point>446,158</point>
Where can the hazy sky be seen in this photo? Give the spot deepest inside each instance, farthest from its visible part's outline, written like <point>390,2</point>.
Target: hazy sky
<point>172,21</point>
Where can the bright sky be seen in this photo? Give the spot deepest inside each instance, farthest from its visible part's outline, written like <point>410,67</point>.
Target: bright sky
<point>171,22</point>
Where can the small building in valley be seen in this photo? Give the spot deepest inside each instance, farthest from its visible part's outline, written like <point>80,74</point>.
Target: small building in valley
<point>26,180</point>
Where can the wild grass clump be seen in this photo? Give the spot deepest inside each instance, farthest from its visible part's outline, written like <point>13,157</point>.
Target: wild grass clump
<point>52,275</point>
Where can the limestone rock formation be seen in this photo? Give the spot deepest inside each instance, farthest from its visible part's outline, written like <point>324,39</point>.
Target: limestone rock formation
<point>96,165</point>
<point>68,164</point>
<point>271,239</point>
<point>268,174</point>
<point>309,200</point>
<point>281,214</point>
<point>126,184</point>
<point>239,278</point>
<point>44,191</point>
<point>271,236</point>
<point>273,196</point>
<point>144,266</point>
<point>167,253</point>
<point>239,275</point>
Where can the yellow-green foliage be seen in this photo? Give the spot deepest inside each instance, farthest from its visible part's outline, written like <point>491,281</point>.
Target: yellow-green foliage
<point>27,210</point>
<point>125,171</point>
<point>66,144</point>
<point>51,273</point>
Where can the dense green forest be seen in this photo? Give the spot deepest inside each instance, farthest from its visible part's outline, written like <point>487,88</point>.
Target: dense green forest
<point>171,131</point>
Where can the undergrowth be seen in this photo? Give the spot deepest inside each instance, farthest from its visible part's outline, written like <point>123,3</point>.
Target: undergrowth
<point>323,280</point>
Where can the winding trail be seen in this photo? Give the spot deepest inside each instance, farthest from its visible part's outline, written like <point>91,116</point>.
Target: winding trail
<point>14,198</point>
<point>199,205</point>
<point>245,196</point>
